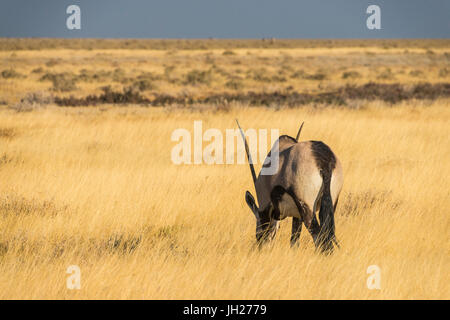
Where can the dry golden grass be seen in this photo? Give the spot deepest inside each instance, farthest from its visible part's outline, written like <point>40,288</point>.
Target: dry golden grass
<point>95,187</point>
<point>198,72</point>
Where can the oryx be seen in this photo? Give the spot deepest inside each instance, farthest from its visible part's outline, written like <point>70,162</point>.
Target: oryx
<point>309,178</point>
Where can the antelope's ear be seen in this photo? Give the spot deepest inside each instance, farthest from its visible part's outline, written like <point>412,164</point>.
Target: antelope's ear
<point>251,203</point>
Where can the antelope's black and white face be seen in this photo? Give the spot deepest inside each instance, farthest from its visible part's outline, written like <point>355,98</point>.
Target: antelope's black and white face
<point>266,226</point>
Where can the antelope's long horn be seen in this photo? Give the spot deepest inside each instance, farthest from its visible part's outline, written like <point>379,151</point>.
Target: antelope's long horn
<point>249,156</point>
<point>299,130</point>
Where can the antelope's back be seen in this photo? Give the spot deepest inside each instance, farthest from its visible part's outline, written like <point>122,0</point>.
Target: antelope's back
<point>298,172</point>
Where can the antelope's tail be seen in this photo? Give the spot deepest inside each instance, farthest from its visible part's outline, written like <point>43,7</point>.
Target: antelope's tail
<point>326,214</point>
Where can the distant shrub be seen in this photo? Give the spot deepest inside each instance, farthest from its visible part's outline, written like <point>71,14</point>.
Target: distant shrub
<point>444,72</point>
<point>11,74</point>
<point>143,85</point>
<point>32,101</point>
<point>278,78</point>
<point>209,59</point>
<point>351,75</point>
<point>171,52</point>
<point>220,71</point>
<point>52,62</point>
<point>260,75</point>
<point>62,82</point>
<point>298,74</point>
<point>386,75</point>
<point>149,76</point>
<point>286,68</point>
<point>118,75</point>
<point>391,93</point>
<point>234,84</point>
<point>93,76</point>
<point>195,77</point>
<point>168,70</point>
<point>37,70</point>
<point>228,53</point>
<point>315,76</point>
<point>129,95</point>
<point>416,73</point>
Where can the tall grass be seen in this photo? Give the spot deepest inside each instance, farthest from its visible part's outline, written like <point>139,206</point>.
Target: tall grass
<point>95,187</point>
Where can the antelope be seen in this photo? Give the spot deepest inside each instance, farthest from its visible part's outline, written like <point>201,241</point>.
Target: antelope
<point>309,178</point>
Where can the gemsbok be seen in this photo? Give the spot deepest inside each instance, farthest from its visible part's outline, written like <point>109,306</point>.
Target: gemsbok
<point>309,178</point>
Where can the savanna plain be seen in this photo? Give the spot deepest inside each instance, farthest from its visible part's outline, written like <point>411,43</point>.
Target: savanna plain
<point>87,179</point>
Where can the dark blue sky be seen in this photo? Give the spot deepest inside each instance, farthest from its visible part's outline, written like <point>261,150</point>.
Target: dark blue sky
<point>225,18</point>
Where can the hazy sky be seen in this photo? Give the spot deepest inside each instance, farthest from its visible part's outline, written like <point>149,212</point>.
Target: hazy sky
<point>225,18</point>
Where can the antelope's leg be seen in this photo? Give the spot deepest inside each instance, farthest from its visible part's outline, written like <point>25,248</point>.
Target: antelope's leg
<point>275,196</point>
<point>312,224</point>
<point>296,230</point>
<point>309,219</point>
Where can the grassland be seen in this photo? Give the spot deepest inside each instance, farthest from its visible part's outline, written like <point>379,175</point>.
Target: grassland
<point>95,186</point>
<point>199,71</point>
